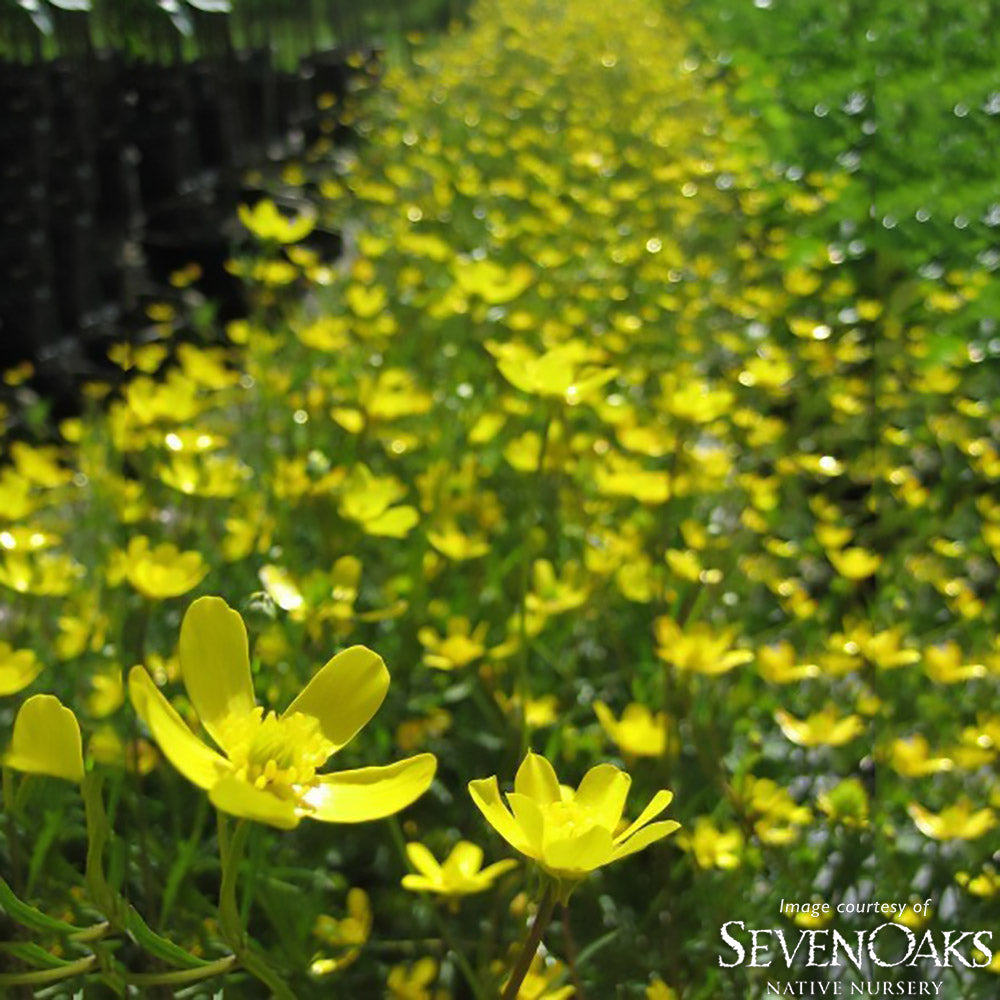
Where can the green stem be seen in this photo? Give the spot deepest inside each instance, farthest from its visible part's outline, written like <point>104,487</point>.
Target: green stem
<point>530,946</point>
<point>182,976</point>
<point>463,963</point>
<point>12,841</point>
<point>231,855</point>
<point>43,976</point>
<point>106,900</point>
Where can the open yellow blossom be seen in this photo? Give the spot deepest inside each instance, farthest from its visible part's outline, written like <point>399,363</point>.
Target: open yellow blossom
<point>698,648</point>
<point>778,664</point>
<point>543,981</point>
<point>639,732</point>
<point>946,664</point>
<point>821,729</point>
<point>986,884</point>
<point>563,372</point>
<point>158,572</point>
<point>911,757</point>
<point>18,668</point>
<point>712,846</point>
<point>854,563</point>
<point>414,982</point>
<point>348,934</point>
<point>368,499</point>
<point>462,645</point>
<point>460,874</point>
<point>46,740</point>
<point>268,771</point>
<point>961,821</point>
<point>268,224</point>
<point>570,833</point>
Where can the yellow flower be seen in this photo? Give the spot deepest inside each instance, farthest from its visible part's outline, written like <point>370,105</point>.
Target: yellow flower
<point>957,822</point>
<point>712,846</point>
<point>821,729</point>
<point>854,563</point>
<point>267,223</point>
<point>349,933</point>
<point>368,499</point>
<point>777,664</point>
<point>945,664</point>
<point>268,773</point>
<point>911,757</point>
<point>18,668</point>
<point>160,572</point>
<point>658,990</point>
<point>553,595</point>
<point>541,982</point>
<point>561,373</point>
<point>414,982</point>
<point>986,884</point>
<point>460,647</point>
<point>698,648</point>
<point>570,833</point>
<point>638,732</point>
<point>461,874</point>
<point>46,740</point>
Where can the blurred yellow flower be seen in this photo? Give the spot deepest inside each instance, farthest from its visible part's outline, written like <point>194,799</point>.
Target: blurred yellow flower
<point>461,646</point>
<point>349,934</point>
<point>18,668</point>
<point>712,846</point>
<point>268,773</point>
<point>460,874</point>
<point>854,563</point>
<point>267,223</point>
<point>46,740</point>
<point>960,821</point>
<point>414,982</point>
<point>638,733</point>
<point>570,833</point>
<point>825,728</point>
<point>846,803</point>
<point>158,572</point>
<point>698,648</point>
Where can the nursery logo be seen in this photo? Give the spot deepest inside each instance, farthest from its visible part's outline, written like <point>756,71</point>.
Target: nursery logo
<point>889,945</point>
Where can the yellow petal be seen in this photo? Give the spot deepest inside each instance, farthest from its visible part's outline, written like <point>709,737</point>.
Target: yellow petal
<point>528,816</point>
<point>18,668</point>
<point>419,883</point>
<point>657,804</point>
<point>423,860</point>
<point>485,793</point>
<point>369,792</point>
<point>197,762</point>
<point>537,779</point>
<point>215,664</point>
<point>394,523</point>
<point>239,798</point>
<point>576,856</point>
<point>464,859</point>
<point>646,836</point>
<point>46,740</point>
<point>603,792</point>
<point>490,872</point>
<point>344,694</point>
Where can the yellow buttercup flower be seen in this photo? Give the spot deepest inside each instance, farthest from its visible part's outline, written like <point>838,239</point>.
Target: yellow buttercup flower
<point>961,821</point>
<point>821,729</point>
<point>570,833</point>
<point>854,563</point>
<point>658,990</point>
<point>46,740</point>
<point>348,934</point>
<point>267,223</point>
<point>18,668</point>
<point>159,572</point>
<point>561,373</point>
<point>698,648</point>
<point>638,733</point>
<point>414,982</point>
<point>461,646</point>
<point>460,874</point>
<point>712,846</point>
<point>267,771</point>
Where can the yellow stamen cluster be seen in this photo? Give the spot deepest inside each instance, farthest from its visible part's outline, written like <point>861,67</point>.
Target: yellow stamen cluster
<point>279,753</point>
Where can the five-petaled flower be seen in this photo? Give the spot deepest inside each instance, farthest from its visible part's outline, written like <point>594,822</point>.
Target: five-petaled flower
<point>268,769</point>
<point>570,833</point>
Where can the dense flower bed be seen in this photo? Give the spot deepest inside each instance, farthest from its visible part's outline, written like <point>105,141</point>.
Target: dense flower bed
<point>615,443</point>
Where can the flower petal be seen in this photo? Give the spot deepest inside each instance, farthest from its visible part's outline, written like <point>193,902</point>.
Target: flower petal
<point>344,694</point>
<point>215,664</point>
<point>498,868</point>
<point>646,836</point>
<point>464,860</point>
<point>196,761</point>
<point>239,798</point>
<point>576,856</point>
<point>369,792</point>
<point>46,740</point>
<point>657,804</point>
<point>485,793</point>
<point>537,779</point>
<point>422,859</point>
<point>528,815</point>
<point>603,792</point>
<point>420,883</point>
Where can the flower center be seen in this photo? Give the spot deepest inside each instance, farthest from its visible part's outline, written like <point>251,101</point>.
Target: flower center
<point>279,754</point>
<point>566,819</point>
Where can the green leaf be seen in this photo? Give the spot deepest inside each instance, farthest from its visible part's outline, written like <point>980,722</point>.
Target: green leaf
<point>30,916</point>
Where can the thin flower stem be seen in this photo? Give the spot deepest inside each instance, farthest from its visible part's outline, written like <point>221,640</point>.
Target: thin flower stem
<point>571,958</point>
<point>530,946</point>
<point>231,849</point>
<point>456,949</point>
<point>13,845</point>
